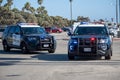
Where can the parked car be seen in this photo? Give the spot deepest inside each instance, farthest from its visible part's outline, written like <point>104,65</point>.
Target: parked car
<point>28,37</point>
<point>90,40</point>
<point>113,31</point>
<point>53,30</point>
<point>67,29</point>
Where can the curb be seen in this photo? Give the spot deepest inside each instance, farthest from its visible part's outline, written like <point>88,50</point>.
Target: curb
<point>65,39</point>
<point>116,38</point>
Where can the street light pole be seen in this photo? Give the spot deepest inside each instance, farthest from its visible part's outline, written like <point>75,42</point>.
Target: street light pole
<point>117,12</point>
<point>71,11</point>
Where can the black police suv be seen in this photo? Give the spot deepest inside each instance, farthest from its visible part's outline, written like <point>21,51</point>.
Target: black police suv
<point>90,40</point>
<point>28,37</point>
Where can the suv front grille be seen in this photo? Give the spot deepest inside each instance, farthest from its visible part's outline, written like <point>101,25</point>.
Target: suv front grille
<point>89,44</point>
<point>45,43</point>
<point>46,40</point>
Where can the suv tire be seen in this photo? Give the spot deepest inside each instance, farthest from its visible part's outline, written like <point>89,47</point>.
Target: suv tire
<point>108,57</point>
<point>70,57</point>
<point>24,48</point>
<point>6,47</point>
<point>51,50</point>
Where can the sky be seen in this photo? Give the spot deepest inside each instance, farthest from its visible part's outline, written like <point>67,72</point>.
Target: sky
<point>94,9</point>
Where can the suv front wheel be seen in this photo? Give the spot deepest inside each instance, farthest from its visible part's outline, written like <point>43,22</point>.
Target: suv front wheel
<point>108,57</point>
<point>51,50</point>
<point>24,48</point>
<point>71,57</point>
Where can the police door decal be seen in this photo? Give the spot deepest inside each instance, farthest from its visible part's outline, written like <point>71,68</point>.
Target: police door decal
<point>16,39</point>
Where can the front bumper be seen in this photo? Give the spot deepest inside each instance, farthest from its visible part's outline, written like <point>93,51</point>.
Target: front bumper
<point>88,52</point>
<point>88,49</point>
<point>40,45</point>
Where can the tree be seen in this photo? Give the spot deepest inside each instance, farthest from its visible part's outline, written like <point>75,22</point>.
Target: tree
<point>40,10</point>
<point>1,2</point>
<point>83,19</point>
<point>40,2</point>
<point>29,17</point>
<point>15,10</point>
<point>32,10</point>
<point>7,17</point>
<point>8,4</point>
<point>19,18</point>
<point>10,16</point>
<point>26,6</point>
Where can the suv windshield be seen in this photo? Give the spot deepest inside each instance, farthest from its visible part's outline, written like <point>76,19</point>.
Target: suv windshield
<point>33,30</point>
<point>90,31</point>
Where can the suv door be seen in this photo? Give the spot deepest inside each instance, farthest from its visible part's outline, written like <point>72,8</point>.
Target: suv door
<point>10,35</point>
<point>16,36</point>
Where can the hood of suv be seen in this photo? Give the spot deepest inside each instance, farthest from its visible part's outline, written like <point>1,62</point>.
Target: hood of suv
<point>40,35</point>
<point>36,37</point>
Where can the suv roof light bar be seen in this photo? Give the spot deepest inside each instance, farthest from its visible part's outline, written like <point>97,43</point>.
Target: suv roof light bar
<point>27,24</point>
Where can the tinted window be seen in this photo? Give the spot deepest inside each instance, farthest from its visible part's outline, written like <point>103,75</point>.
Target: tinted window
<point>12,29</point>
<point>17,30</point>
<point>90,31</point>
<point>6,30</point>
<point>33,30</point>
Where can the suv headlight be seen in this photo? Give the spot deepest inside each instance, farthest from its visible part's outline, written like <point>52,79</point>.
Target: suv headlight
<point>103,41</point>
<point>72,44</point>
<point>104,47</point>
<point>73,41</point>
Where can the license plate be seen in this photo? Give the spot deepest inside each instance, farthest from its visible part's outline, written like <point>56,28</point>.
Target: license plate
<point>46,45</point>
<point>87,49</point>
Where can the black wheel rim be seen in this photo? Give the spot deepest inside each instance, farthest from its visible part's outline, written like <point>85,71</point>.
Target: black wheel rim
<point>24,49</point>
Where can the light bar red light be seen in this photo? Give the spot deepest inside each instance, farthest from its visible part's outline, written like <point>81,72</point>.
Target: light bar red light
<point>92,39</point>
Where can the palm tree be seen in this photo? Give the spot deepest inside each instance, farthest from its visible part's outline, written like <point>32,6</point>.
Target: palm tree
<point>40,2</point>
<point>15,10</point>
<point>83,19</point>
<point>41,10</point>
<point>32,10</point>
<point>26,6</point>
<point>8,4</point>
<point>1,2</point>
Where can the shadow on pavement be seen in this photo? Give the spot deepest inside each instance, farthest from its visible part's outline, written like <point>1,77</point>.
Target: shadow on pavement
<point>11,52</point>
<point>51,57</point>
<point>61,57</point>
<point>7,61</point>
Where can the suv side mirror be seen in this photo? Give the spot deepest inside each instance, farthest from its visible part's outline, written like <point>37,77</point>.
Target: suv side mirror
<point>69,33</point>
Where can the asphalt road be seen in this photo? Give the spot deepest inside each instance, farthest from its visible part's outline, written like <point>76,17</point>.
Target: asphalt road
<point>44,66</point>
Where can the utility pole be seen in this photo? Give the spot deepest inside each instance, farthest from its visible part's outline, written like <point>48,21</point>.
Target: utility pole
<point>71,11</point>
<point>117,12</point>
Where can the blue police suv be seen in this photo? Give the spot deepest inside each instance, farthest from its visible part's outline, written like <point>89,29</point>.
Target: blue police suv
<point>90,40</point>
<point>28,37</point>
